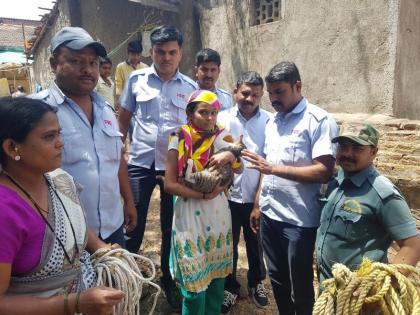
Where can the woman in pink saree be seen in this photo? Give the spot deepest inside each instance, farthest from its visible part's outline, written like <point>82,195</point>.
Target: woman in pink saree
<point>44,266</point>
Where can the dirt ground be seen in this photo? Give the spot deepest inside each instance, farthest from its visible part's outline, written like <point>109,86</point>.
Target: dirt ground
<point>151,248</point>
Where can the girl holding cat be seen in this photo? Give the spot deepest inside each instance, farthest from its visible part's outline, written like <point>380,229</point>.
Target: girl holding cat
<point>201,250</point>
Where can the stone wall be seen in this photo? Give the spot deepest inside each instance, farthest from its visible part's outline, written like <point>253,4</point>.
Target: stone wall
<point>111,22</point>
<point>407,76</point>
<point>345,50</point>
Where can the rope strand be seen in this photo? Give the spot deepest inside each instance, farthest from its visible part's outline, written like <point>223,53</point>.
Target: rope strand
<point>375,288</point>
<point>119,269</point>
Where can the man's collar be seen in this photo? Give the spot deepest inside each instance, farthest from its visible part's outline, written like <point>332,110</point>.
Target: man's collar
<point>357,179</point>
<point>303,103</point>
<point>176,76</point>
<point>214,90</point>
<point>129,64</point>
<point>61,98</point>
<point>239,114</point>
<point>300,107</point>
<point>101,80</point>
<point>57,94</point>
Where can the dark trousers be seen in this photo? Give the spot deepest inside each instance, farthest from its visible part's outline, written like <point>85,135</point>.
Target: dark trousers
<point>240,213</point>
<point>289,254</point>
<point>143,182</point>
<point>116,237</point>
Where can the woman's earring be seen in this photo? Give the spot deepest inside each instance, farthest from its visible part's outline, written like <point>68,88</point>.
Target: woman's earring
<point>17,157</point>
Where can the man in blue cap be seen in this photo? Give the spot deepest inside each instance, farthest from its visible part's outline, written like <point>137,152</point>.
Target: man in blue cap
<point>364,212</point>
<point>92,141</point>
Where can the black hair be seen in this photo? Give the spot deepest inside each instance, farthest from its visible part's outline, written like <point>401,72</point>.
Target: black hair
<point>191,107</point>
<point>18,116</point>
<point>20,88</point>
<point>251,78</point>
<point>285,71</point>
<point>207,55</point>
<point>165,33</point>
<point>135,46</point>
<point>104,60</point>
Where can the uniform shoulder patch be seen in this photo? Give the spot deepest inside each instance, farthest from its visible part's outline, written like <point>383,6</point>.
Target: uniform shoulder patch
<point>317,112</point>
<point>382,185</point>
<point>224,92</point>
<point>189,80</point>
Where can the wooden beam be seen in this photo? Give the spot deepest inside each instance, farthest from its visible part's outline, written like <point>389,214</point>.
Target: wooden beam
<point>159,4</point>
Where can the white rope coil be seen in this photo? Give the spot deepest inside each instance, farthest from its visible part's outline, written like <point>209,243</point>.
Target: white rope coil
<point>120,269</point>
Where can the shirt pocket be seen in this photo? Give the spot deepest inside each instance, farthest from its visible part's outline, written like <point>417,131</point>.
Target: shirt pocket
<point>349,225</point>
<point>298,151</point>
<point>180,106</point>
<point>147,107</point>
<point>112,144</point>
<point>74,147</point>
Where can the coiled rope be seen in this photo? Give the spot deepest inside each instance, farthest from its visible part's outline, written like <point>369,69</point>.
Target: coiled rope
<point>120,269</point>
<point>375,288</point>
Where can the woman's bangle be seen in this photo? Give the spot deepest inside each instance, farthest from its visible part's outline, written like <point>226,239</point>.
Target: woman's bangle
<point>204,195</point>
<point>78,303</point>
<point>66,304</point>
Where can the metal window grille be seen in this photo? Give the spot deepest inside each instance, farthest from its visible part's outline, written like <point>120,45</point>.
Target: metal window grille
<point>266,11</point>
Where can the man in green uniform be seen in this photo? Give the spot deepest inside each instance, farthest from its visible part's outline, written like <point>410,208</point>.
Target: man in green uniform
<point>364,212</point>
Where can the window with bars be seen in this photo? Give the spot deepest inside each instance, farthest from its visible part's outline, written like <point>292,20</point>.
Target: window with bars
<point>265,11</point>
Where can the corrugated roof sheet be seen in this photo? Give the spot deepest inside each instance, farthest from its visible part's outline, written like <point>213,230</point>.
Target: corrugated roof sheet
<point>12,56</point>
<point>11,35</point>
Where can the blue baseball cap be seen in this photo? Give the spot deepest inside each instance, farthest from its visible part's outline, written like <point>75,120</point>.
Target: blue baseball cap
<point>76,38</point>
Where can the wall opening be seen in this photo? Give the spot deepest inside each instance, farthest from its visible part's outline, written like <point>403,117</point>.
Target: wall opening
<point>265,11</point>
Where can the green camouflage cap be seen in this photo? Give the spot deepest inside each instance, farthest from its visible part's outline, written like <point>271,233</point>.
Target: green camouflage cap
<point>363,135</point>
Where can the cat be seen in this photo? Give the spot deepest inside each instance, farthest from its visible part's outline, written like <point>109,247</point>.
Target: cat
<point>206,180</point>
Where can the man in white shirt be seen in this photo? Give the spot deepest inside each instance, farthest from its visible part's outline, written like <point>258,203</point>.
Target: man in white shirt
<point>246,119</point>
<point>105,86</point>
<point>298,157</point>
<point>156,98</point>
<point>207,71</point>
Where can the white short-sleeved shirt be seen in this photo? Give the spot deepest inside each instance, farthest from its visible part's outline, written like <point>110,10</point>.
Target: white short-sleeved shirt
<point>245,185</point>
<point>158,109</point>
<point>296,139</point>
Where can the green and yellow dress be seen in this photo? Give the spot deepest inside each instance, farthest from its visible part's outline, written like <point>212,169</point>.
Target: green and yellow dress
<point>201,247</point>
